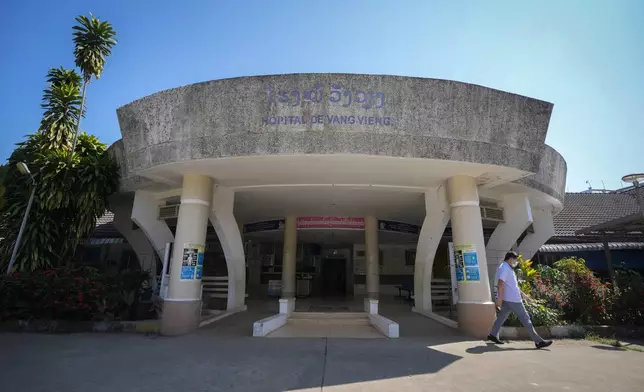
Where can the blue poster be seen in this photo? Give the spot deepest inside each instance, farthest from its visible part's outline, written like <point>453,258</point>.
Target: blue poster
<point>187,272</point>
<point>470,259</point>
<point>472,274</point>
<point>460,276</point>
<point>193,254</point>
<point>199,272</point>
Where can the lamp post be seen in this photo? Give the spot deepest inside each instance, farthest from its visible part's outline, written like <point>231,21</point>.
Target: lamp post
<point>636,180</point>
<point>24,170</point>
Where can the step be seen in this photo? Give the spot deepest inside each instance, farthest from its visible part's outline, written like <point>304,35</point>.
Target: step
<point>331,323</point>
<point>329,315</point>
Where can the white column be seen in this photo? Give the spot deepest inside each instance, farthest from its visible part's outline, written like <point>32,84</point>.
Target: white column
<point>476,311</point>
<point>227,229</point>
<point>544,228</point>
<point>182,308</point>
<point>150,234</point>
<point>517,216</point>
<point>372,267</point>
<point>431,233</point>
<point>289,258</point>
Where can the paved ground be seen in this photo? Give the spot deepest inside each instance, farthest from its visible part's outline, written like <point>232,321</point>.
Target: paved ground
<point>223,357</point>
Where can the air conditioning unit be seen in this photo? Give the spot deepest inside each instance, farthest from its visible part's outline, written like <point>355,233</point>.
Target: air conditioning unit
<point>492,214</point>
<point>169,212</point>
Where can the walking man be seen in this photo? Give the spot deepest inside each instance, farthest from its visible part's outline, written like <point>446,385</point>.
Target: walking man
<point>510,299</point>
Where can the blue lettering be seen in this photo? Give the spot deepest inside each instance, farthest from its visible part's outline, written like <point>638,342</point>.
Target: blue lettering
<point>337,95</point>
<point>352,119</point>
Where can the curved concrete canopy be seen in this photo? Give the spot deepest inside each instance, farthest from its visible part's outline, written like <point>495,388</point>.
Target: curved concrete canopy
<point>340,129</point>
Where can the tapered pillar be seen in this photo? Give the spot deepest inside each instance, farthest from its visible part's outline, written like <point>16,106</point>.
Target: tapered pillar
<point>182,307</point>
<point>372,267</point>
<point>476,311</point>
<point>289,258</point>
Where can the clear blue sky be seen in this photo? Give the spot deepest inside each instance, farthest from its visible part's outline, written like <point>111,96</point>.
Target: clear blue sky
<point>586,57</point>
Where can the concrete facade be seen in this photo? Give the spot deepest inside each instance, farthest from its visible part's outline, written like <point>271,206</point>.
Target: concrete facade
<point>366,151</point>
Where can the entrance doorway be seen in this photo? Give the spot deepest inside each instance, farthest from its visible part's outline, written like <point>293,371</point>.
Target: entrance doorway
<point>334,277</point>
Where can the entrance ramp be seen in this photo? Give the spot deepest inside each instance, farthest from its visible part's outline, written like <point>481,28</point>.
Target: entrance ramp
<point>327,325</point>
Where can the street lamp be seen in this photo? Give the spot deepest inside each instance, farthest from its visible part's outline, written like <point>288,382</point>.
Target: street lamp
<point>636,180</point>
<point>24,170</point>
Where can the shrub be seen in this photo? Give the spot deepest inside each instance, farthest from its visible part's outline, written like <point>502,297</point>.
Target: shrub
<point>550,287</point>
<point>589,300</point>
<point>540,314</point>
<point>526,274</point>
<point>69,293</point>
<point>572,289</point>
<point>629,304</point>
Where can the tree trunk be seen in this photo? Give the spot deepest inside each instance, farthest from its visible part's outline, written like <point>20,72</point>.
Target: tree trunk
<point>80,116</point>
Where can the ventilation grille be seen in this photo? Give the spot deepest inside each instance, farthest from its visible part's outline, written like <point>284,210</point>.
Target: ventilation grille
<point>169,212</point>
<point>492,214</point>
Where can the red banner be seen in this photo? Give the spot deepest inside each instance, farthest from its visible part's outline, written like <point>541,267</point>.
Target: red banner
<point>330,222</point>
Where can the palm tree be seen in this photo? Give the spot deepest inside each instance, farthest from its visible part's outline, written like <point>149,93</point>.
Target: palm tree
<point>93,41</point>
<point>61,101</point>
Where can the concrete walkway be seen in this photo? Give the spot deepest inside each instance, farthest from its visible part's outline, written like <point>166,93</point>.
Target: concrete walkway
<point>223,357</point>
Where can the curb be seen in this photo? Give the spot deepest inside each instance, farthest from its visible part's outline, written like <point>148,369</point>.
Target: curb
<point>65,326</point>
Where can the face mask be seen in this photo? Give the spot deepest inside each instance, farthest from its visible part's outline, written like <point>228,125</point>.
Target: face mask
<point>514,264</point>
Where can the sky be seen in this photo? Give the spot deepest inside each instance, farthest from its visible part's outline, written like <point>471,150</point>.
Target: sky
<point>586,57</point>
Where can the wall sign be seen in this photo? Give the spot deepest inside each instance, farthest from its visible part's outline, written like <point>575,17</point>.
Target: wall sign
<point>466,263</point>
<point>192,261</point>
<point>337,95</point>
<point>270,225</point>
<point>330,222</point>
<point>398,227</point>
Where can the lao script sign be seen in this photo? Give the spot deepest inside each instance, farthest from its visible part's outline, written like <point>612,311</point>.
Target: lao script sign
<point>337,95</point>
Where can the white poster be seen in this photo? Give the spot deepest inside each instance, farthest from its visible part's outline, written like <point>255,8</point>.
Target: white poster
<point>452,272</point>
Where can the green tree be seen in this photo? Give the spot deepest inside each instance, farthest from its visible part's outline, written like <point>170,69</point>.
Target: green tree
<point>74,173</point>
<point>93,43</point>
<point>61,102</point>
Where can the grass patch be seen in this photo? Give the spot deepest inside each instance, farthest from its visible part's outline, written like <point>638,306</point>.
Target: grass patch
<point>611,342</point>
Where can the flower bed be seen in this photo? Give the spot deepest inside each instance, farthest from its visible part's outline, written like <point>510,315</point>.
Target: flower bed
<point>568,293</point>
<point>72,294</point>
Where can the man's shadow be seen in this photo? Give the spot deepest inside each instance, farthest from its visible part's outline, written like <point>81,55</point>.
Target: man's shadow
<point>494,348</point>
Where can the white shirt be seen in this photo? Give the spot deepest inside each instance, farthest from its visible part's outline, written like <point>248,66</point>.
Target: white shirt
<point>511,292</point>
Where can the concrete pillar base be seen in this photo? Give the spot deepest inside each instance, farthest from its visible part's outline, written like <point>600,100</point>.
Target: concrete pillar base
<point>180,317</point>
<point>287,306</point>
<point>476,319</point>
<point>371,305</point>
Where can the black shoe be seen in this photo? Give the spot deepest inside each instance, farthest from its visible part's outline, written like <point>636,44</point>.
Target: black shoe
<point>495,339</point>
<point>543,344</point>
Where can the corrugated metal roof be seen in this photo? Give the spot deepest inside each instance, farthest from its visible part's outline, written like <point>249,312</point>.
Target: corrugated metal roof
<point>103,241</point>
<point>568,248</point>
